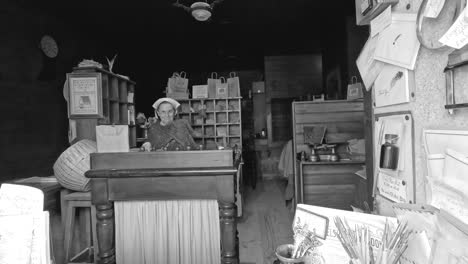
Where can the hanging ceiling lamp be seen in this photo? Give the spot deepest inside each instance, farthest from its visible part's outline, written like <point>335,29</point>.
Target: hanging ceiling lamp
<point>201,11</point>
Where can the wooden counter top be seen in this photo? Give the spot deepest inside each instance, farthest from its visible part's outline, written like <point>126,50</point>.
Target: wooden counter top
<point>161,172</point>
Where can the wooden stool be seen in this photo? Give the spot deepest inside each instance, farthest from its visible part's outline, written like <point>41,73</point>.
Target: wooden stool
<point>70,202</point>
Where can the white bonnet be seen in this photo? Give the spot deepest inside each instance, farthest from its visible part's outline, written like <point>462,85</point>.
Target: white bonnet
<point>173,102</point>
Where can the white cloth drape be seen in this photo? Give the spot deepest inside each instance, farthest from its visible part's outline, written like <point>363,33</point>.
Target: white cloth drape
<point>169,232</point>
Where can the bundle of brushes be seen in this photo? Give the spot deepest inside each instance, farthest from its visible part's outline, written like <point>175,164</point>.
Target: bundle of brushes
<point>357,246</point>
<point>304,241</point>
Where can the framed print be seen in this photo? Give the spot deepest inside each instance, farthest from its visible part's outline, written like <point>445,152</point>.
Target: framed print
<point>85,95</point>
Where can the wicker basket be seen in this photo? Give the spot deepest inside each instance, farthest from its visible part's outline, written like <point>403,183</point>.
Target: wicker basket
<point>72,164</point>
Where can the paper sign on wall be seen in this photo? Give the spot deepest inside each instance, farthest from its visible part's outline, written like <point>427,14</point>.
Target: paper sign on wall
<point>391,187</point>
<point>392,86</point>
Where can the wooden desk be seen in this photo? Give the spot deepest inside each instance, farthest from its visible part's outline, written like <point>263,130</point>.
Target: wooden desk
<point>163,176</point>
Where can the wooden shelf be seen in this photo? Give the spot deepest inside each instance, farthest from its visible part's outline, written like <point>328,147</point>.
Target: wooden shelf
<point>116,110</point>
<point>219,118</point>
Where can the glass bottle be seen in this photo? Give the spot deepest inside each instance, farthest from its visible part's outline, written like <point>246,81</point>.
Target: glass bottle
<point>389,153</point>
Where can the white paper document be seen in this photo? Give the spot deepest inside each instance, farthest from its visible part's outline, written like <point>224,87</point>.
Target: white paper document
<point>392,188</point>
<point>368,67</point>
<point>332,251</point>
<point>20,199</point>
<point>398,43</point>
<point>382,21</point>
<point>16,233</point>
<point>433,8</point>
<point>457,35</point>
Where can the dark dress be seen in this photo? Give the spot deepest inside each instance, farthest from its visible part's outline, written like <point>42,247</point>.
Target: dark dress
<point>178,134</point>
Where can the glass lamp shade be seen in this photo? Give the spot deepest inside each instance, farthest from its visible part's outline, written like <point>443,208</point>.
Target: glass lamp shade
<point>201,11</point>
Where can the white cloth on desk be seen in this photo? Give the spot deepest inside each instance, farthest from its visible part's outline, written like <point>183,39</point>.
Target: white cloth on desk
<point>170,232</point>
<point>286,168</point>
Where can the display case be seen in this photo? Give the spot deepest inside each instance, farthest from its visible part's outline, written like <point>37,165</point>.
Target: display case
<point>99,97</point>
<point>217,122</point>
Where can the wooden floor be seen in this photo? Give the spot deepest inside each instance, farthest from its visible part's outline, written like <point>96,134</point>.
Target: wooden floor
<point>266,223</point>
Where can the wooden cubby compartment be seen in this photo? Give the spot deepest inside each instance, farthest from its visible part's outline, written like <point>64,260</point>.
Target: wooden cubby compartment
<point>220,126</point>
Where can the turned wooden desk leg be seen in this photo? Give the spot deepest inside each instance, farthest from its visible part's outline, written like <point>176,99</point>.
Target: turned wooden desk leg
<point>227,217</point>
<point>105,233</point>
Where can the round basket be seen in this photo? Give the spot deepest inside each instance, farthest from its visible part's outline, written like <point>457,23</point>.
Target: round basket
<point>72,164</point>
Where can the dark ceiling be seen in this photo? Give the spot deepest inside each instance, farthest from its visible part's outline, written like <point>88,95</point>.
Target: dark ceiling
<point>155,38</point>
<point>266,24</point>
<point>161,15</point>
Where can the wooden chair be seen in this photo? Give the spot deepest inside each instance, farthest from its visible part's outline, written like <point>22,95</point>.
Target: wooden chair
<point>70,202</point>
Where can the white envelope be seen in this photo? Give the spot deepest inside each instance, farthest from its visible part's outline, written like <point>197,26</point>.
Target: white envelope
<point>393,86</point>
<point>368,67</point>
<point>398,43</point>
<point>112,138</point>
